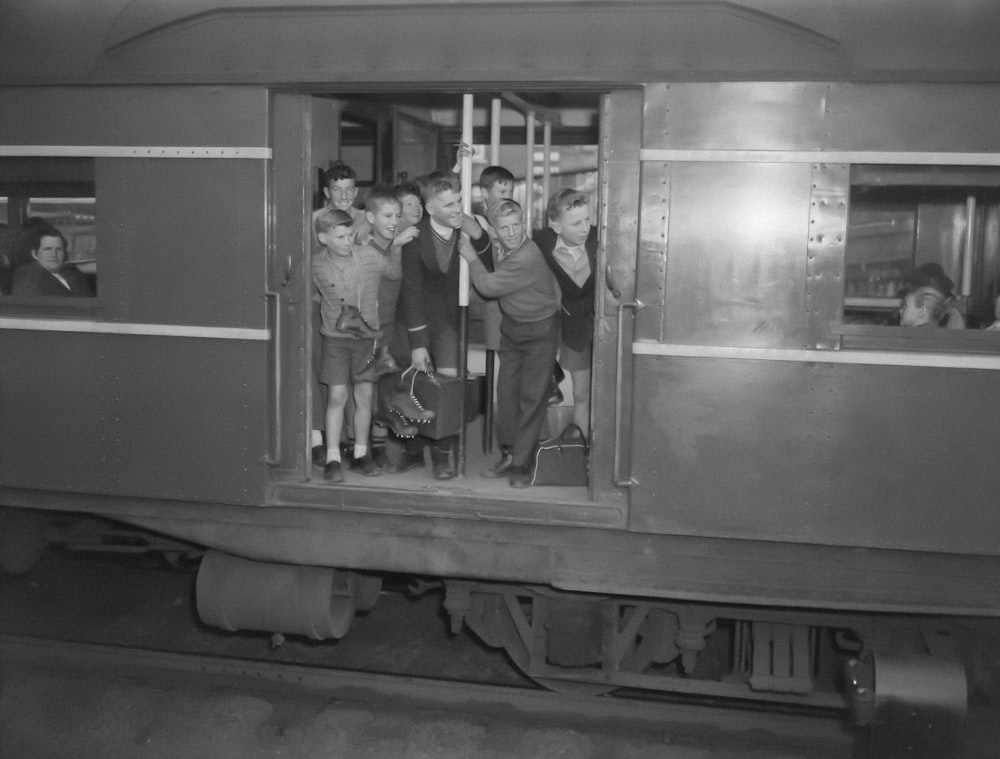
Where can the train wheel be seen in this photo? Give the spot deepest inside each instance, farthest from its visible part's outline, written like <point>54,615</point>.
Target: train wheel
<point>22,540</point>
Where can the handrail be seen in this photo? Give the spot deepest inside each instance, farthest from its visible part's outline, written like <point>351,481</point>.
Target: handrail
<point>635,306</point>
<point>273,457</point>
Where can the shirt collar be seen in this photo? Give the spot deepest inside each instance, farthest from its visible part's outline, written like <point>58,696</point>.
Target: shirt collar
<point>442,231</point>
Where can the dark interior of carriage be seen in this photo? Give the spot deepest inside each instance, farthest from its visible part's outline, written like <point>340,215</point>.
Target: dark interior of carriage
<point>905,217</point>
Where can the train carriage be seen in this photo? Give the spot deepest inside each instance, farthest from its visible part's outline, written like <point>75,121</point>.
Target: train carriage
<point>773,462</point>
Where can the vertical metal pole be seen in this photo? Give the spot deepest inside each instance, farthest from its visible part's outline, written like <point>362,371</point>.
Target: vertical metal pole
<point>495,114</point>
<point>965,287</point>
<point>463,285</point>
<point>529,171</point>
<point>495,131</point>
<point>546,159</point>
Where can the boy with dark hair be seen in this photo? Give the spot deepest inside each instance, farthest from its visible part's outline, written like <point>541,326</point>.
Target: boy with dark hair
<point>497,185</point>
<point>347,275</point>
<point>529,336</point>
<point>429,294</point>
<point>569,245</point>
<point>412,207</point>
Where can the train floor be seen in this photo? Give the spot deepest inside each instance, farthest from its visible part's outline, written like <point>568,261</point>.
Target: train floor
<point>477,460</point>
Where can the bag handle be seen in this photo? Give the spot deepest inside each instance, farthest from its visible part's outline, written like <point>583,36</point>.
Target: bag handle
<point>569,428</point>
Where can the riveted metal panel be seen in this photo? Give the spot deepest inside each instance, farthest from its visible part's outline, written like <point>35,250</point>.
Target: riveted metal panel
<point>814,452</point>
<point>828,207</point>
<point>736,116</point>
<point>937,117</point>
<point>619,213</point>
<point>736,265</point>
<point>133,415</point>
<point>651,264</point>
<point>813,116</point>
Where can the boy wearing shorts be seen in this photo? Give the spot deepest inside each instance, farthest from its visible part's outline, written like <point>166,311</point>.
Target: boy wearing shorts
<point>347,275</point>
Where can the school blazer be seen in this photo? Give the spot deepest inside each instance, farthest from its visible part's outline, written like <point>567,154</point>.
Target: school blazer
<point>577,301</point>
<point>429,296</point>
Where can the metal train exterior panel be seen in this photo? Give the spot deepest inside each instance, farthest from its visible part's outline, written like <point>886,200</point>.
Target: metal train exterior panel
<point>759,452</point>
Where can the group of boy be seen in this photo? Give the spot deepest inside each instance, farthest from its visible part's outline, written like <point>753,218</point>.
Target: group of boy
<point>404,265</point>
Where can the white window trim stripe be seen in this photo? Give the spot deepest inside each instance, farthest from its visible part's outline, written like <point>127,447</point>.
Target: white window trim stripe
<point>131,328</point>
<point>133,151</point>
<point>820,156</point>
<point>873,358</point>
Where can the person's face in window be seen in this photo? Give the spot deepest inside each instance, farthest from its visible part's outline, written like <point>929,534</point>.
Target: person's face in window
<point>573,225</point>
<point>413,209</point>
<point>910,314</point>
<point>51,253</point>
<point>341,194</point>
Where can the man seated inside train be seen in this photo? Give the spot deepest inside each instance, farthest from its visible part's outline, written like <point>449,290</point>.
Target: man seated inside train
<point>923,307</point>
<point>429,295</point>
<point>347,275</point>
<point>47,274</point>
<point>529,337</point>
<point>385,238</point>
<point>932,275</point>
<point>569,245</point>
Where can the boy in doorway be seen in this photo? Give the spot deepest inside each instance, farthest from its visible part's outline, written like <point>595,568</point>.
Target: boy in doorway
<point>347,274</point>
<point>526,289</point>
<point>569,245</point>
<point>386,238</point>
<point>429,294</point>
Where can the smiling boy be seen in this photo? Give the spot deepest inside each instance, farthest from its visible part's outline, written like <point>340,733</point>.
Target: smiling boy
<point>429,294</point>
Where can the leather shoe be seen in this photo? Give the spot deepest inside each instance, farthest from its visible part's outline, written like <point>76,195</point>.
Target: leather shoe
<point>352,322</point>
<point>441,465</point>
<point>519,477</point>
<point>406,405</point>
<point>379,364</point>
<point>380,457</point>
<point>501,468</point>
<point>332,472</point>
<point>366,466</point>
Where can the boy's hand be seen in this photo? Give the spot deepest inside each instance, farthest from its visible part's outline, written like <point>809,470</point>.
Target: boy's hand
<point>407,235</point>
<point>420,359</point>
<point>464,150</point>
<point>465,248</point>
<point>471,227</point>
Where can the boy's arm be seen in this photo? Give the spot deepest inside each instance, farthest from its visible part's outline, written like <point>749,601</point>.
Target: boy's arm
<point>514,274</point>
<point>411,296</point>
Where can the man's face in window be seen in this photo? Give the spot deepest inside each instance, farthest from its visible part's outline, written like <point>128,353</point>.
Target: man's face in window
<point>51,253</point>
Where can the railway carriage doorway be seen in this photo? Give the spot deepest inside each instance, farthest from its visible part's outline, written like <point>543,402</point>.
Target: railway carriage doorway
<point>586,141</point>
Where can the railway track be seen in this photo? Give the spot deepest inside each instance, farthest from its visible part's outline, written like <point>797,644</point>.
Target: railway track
<point>682,730</point>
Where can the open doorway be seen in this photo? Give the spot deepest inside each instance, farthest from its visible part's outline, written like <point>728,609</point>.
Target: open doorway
<point>391,139</point>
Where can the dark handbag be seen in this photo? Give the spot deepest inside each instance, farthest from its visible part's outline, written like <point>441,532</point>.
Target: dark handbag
<point>440,394</point>
<point>562,460</point>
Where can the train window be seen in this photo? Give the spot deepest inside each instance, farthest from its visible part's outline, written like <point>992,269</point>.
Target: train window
<point>915,233</point>
<point>48,194</point>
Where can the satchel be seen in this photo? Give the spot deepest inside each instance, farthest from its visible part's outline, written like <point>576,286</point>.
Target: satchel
<point>562,460</point>
<point>440,394</point>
